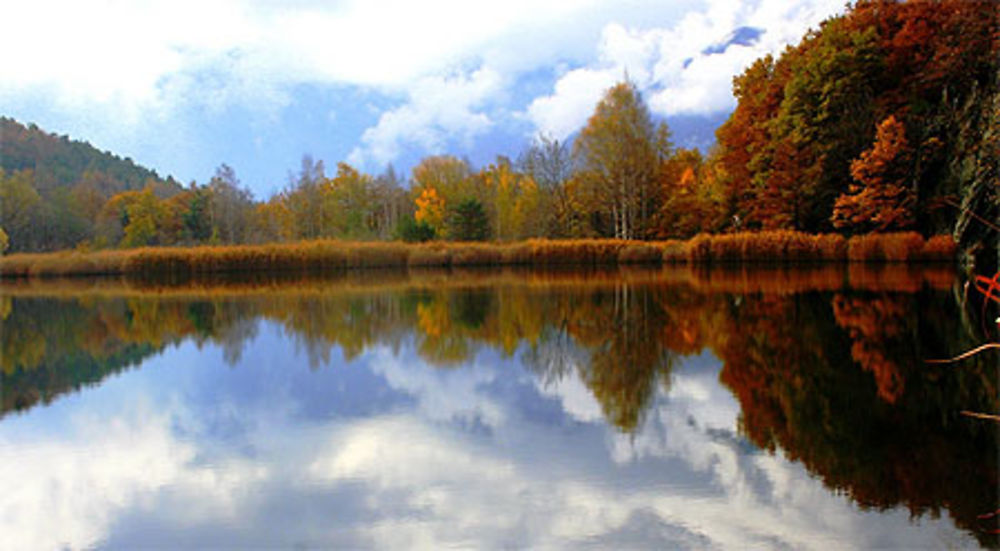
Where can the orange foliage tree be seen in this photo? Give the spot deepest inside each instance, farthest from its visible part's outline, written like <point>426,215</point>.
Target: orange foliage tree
<point>879,199</point>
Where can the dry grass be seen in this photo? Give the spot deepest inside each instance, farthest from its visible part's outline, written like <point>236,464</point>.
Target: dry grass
<point>940,248</point>
<point>324,256</point>
<point>640,253</point>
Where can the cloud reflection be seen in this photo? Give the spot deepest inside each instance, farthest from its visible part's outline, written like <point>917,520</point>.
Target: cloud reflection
<point>413,474</point>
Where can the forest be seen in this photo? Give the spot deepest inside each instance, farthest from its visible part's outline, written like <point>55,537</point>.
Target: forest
<point>884,119</point>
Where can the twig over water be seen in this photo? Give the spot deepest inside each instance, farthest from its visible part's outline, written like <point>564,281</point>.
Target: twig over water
<point>965,355</point>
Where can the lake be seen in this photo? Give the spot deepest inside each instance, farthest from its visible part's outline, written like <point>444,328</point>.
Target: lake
<point>625,408</point>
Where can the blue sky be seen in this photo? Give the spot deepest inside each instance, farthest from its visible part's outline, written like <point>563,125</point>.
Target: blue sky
<point>184,86</point>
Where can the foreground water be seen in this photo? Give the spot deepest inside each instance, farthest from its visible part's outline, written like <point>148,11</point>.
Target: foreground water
<point>636,409</point>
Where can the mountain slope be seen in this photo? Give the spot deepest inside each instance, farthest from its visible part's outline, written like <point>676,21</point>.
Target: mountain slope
<point>52,187</point>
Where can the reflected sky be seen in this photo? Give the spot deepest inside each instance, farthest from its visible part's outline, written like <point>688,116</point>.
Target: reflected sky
<point>272,449</point>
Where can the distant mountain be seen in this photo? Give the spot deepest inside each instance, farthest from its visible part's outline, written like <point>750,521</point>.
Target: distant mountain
<point>695,131</point>
<point>741,36</point>
<point>58,161</point>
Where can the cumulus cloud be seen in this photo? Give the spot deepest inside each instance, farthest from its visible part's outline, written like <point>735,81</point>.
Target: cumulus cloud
<point>683,69</point>
<point>450,71</point>
<point>438,110</point>
<point>149,55</point>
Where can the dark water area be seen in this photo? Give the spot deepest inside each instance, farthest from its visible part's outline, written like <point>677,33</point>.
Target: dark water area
<point>671,408</point>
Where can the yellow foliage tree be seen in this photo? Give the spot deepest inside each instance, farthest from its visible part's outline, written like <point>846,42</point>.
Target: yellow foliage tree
<point>431,210</point>
<point>514,202</point>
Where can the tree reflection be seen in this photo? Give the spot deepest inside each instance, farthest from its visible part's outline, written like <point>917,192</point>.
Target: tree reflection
<point>832,377</point>
<point>848,395</point>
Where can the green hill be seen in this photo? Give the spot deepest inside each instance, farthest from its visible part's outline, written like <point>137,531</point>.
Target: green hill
<point>52,187</point>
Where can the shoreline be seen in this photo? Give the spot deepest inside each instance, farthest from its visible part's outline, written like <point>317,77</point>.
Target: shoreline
<point>327,256</point>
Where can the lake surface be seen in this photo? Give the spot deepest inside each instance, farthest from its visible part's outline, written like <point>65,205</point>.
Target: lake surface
<point>653,409</point>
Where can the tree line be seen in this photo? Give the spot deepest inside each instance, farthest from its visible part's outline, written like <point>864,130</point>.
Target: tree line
<point>886,118</point>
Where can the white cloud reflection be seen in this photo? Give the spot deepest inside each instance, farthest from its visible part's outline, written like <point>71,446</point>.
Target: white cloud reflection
<point>423,475</point>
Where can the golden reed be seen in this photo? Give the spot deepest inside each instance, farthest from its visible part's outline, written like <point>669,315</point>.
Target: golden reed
<point>323,256</point>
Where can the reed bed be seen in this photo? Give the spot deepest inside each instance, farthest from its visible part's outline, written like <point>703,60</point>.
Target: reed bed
<point>325,256</point>
<point>784,247</point>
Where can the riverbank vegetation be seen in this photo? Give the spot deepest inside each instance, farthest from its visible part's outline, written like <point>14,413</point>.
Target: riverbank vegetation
<point>883,120</point>
<point>326,256</point>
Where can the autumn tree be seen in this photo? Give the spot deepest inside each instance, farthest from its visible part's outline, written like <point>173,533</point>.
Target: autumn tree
<point>825,119</point>
<point>112,219</point>
<point>145,216</point>
<point>431,211</point>
<point>803,118</point>
<point>744,138</point>
<point>304,200</point>
<point>20,205</point>
<point>391,203</point>
<point>619,153</point>
<point>880,198</point>
<point>348,204</point>
<point>514,201</point>
<point>230,206</point>
<point>449,176</point>
<point>273,221</point>
<point>196,219</point>
<point>549,163</point>
<point>439,183</point>
<point>693,195</point>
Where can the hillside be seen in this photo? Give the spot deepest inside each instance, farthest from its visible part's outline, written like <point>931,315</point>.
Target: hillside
<point>52,187</point>
<point>60,161</point>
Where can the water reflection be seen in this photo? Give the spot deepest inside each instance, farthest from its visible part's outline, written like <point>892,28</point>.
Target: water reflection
<point>470,409</point>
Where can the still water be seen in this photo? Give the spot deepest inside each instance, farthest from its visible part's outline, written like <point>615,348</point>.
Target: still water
<point>624,409</point>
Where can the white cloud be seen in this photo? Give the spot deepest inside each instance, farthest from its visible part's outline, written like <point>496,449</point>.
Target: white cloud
<point>438,110</point>
<point>576,93</point>
<point>107,64</point>
<point>110,71</point>
<point>148,55</point>
<point>669,64</point>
